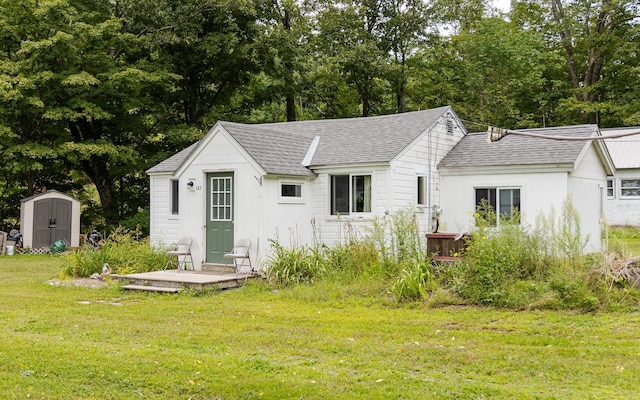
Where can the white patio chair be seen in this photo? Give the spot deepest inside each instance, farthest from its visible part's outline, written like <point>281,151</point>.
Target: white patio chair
<point>239,255</point>
<point>181,255</point>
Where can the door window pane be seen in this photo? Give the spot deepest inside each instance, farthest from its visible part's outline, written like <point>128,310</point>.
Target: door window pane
<point>221,198</point>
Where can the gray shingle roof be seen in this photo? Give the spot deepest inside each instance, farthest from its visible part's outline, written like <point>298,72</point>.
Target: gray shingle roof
<point>363,140</point>
<point>279,148</point>
<point>474,150</point>
<point>624,151</point>
<point>174,162</point>
<point>277,151</point>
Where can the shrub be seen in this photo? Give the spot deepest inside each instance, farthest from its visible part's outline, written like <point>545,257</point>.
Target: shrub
<point>496,258</point>
<point>415,282</point>
<point>123,250</point>
<point>293,266</point>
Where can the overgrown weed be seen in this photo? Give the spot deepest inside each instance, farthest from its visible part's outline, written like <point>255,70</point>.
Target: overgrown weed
<point>506,264</point>
<point>125,252</point>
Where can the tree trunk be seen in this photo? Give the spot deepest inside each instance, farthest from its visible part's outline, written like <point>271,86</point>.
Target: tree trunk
<point>97,170</point>
<point>289,89</point>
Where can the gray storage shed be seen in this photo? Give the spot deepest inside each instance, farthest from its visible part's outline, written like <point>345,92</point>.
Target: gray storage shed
<point>49,216</point>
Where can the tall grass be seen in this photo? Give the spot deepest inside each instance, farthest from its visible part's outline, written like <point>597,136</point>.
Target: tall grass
<point>389,246</point>
<point>544,267</point>
<point>511,265</point>
<point>125,252</point>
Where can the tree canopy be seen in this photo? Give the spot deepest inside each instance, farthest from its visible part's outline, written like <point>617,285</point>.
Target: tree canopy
<point>94,93</point>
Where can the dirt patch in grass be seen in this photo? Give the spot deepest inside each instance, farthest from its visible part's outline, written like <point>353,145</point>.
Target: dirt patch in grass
<point>80,282</point>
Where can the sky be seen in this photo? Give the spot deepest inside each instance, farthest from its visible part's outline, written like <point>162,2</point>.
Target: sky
<point>504,5</point>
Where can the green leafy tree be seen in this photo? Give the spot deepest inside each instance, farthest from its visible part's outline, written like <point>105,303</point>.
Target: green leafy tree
<point>349,35</point>
<point>496,74</point>
<point>598,40</point>
<point>79,92</point>
<point>209,45</point>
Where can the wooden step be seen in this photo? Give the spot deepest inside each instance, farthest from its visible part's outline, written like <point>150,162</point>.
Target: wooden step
<point>219,268</point>
<point>152,288</point>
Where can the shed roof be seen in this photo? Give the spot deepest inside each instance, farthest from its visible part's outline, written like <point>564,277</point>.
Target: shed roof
<point>513,150</point>
<point>281,147</point>
<point>48,192</point>
<point>625,151</point>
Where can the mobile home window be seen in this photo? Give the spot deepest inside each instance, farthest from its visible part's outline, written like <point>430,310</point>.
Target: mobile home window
<point>611,190</point>
<point>630,187</point>
<point>495,204</point>
<point>174,196</point>
<point>350,194</point>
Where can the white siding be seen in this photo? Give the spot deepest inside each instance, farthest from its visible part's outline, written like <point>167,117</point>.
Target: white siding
<point>221,154</point>
<point>288,222</point>
<point>623,211</point>
<point>164,227</point>
<point>331,229</point>
<point>259,215</point>
<point>422,158</point>
<point>587,186</point>
<point>538,193</point>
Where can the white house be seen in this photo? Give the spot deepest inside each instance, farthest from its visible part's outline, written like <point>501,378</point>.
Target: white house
<point>532,175</point>
<point>299,182</point>
<point>622,206</point>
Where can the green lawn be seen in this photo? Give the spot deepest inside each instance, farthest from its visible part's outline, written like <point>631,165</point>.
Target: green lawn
<point>251,343</point>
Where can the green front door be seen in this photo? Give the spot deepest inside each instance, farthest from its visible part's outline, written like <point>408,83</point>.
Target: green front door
<point>219,216</point>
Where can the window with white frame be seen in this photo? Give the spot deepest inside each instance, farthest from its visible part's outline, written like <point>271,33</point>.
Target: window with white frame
<point>175,184</point>
<point>611,188</point>
<point>350,194</point>
<point>495,204</point>
<point>421,189</point>
<point>291,192</point>
<point>629,187</point>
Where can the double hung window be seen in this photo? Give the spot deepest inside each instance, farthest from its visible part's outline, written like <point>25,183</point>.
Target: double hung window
<point>611,189</point>
<point>350,194</point>
<point>496,204</point>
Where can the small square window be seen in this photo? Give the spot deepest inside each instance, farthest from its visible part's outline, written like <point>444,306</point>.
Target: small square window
<point>291,190</point>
